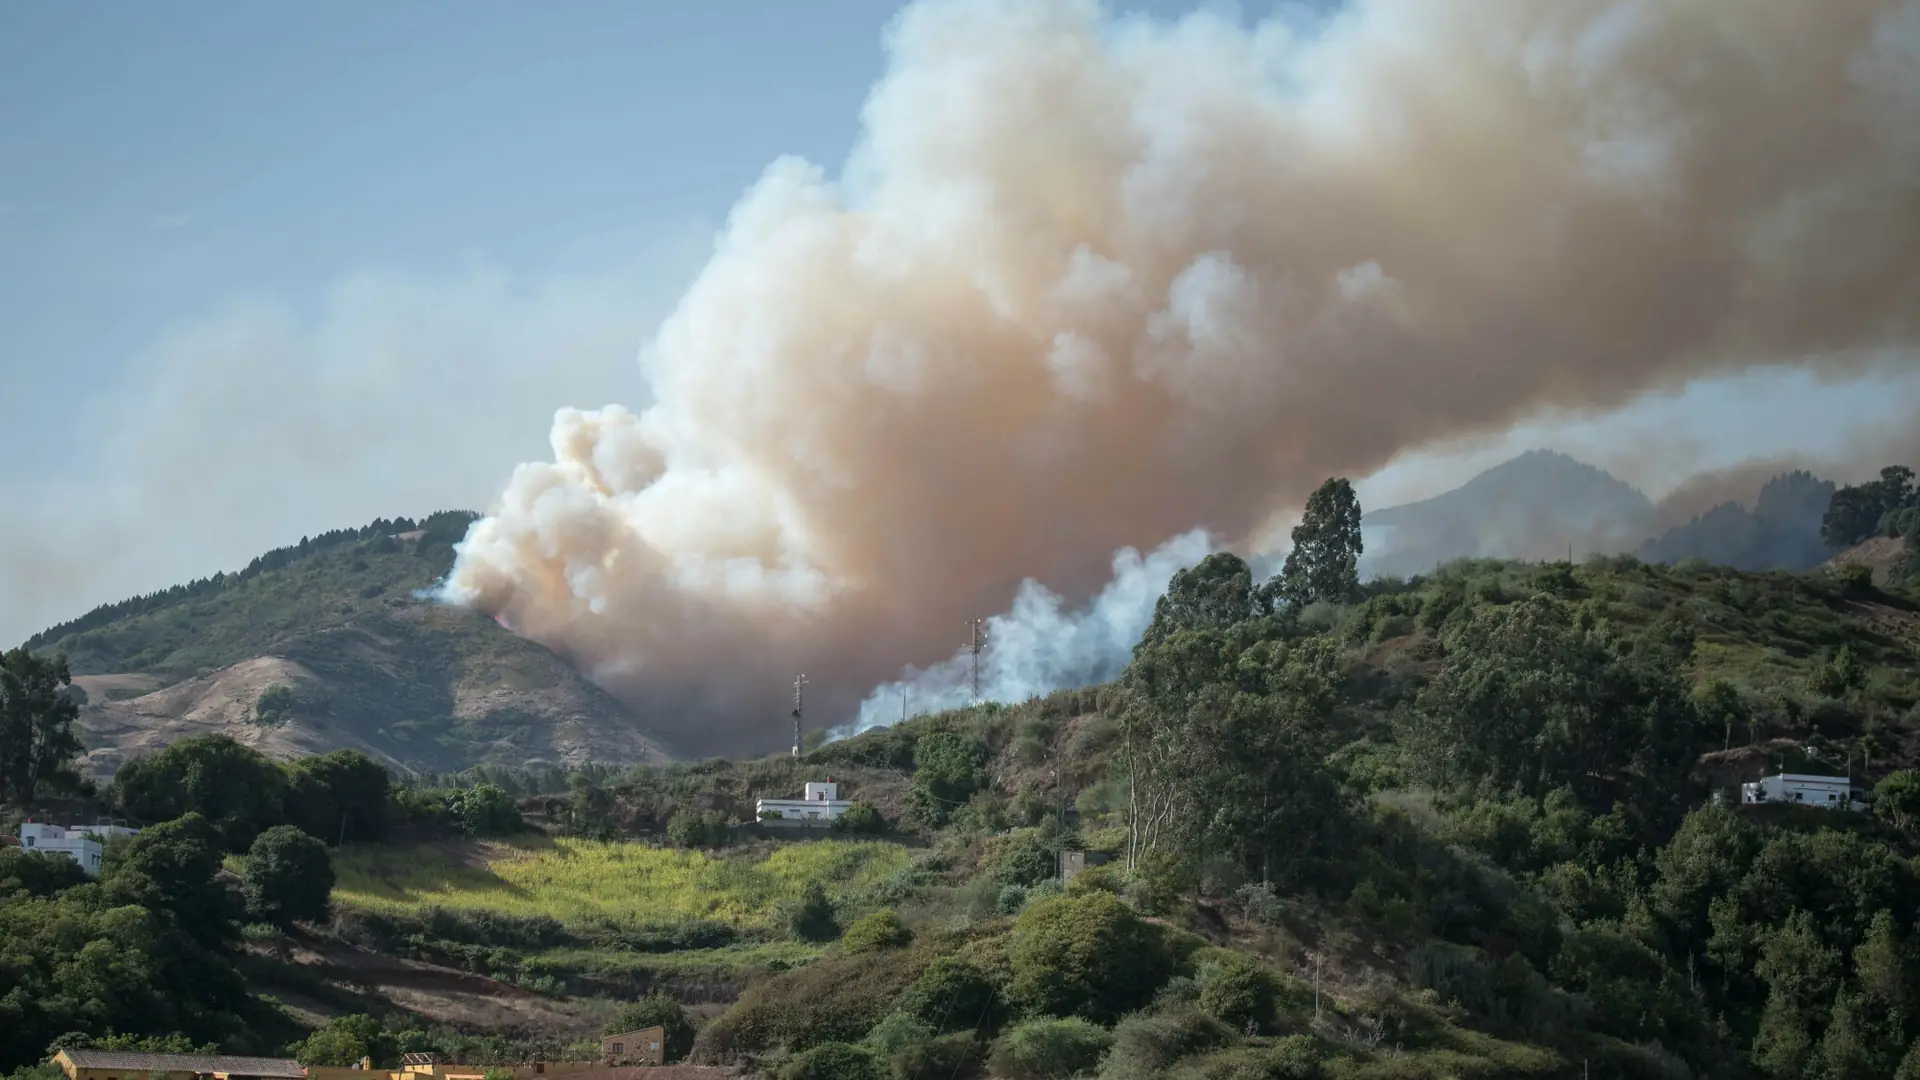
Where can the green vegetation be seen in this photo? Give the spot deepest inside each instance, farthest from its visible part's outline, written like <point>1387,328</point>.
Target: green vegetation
<point>1460,825</point>
<point>37,743</point>
<point>321,582</point>
<point>288,876</point>
<point>360,653</point>
<point>143,952</point>
<point>623,884</point>
<point>334,797</point>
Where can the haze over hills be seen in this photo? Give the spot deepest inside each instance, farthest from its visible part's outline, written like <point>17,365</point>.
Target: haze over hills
<point>327,645</point>
<point>1544,504</point>
<point>1530,507</point>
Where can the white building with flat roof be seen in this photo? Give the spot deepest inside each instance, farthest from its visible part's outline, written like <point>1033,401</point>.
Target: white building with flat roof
<point>83,844</point>
<point>822,803</point>
<point>1801,789</point>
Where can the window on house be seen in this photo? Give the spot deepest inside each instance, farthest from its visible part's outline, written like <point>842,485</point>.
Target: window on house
<point>30,844</point>
<point>619,1048</point>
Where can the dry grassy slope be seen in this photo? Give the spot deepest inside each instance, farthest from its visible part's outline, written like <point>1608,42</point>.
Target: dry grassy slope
<point>413,683</point>
<point>1878,553</point>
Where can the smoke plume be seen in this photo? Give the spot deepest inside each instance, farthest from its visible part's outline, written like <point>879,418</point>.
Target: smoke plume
<point>1039,645</point>
<point>1088,285</point>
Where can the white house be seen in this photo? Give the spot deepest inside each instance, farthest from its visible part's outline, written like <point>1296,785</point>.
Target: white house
<point>1826,792</point>
<point>83,843</point>
<point>822,803</point>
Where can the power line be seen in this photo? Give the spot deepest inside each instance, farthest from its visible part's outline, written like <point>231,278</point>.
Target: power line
<point>978,642</point>
<point>799,683</point>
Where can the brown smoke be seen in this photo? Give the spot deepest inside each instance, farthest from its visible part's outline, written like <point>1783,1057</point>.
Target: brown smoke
<point>1089,285</point>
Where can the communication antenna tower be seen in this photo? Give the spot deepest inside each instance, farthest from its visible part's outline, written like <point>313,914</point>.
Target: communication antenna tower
<point>799,683</point>
<point>978,642</point>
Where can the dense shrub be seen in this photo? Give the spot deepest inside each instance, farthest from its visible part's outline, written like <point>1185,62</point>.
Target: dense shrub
<point>953,995</point>
<point>1049,1049</point>
<point>1238,992</point>
<point>485,810</point>
<point>1145,1043</point>
<point>289,876</point>
<point>812,918</point>
<point>833,1061</point>
<point>689,828</point>
<point>837,998</point>
<point>1088,956</point>
<point>861,817</point>
<point>876,932</point>
<point>1025,858</point>
<point>941,1058</point>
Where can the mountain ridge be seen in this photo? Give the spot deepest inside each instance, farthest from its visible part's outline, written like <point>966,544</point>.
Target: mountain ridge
<point>328,645</point>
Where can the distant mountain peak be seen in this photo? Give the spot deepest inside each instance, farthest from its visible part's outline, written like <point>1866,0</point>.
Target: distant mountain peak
<point>1533,505</point>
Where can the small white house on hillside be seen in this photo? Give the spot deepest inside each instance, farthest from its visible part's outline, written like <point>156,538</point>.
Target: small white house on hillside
<point>822,803</point>
<point>1826,792</point>
<point>82,843</point>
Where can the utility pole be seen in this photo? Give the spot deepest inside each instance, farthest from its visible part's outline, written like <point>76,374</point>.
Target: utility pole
<point>978,642</point>
<point>799,683</point>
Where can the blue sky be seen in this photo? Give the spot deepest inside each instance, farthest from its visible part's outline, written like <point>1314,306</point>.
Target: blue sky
<point>267,269</point>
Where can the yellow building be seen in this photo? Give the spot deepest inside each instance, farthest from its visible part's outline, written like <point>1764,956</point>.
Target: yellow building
<point>430,1067</point>
<point>647,1046</point>
<point>126,1065</point>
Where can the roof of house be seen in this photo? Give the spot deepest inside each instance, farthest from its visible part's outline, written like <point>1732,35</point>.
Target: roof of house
<point>635,1031</point>
<point>198,1063</point>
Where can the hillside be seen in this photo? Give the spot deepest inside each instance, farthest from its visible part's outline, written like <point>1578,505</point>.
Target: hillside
<point>1780,531</point>
<point>1532,506</point>
<point>1462,826</point>
<point>328,645</point>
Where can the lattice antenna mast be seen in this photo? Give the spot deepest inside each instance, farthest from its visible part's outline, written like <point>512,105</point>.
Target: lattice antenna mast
<point>977,643</point>
<point>799,708</point>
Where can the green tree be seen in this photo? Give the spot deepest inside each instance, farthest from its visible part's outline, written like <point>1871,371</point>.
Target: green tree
<point>289,876</point>
<point>1534,696</point>
<point>342,1041</point>
<point>1087,956</point>
<point>1238,992</point>
<point>947,770</point>
<point>1224,747</point>
<point>486,810</point>
<point>170,869</point>
<point>812,918</point>
<point>37,743</point>
<point>340,796</point>
<point>1324,564</point>
<point>1216,593</point>
<point>690,828</point>
<point>1718,705</point>
<point>657,1009</point>
<point>1802,976</point>
<point>234,787</point>
<point>1855,512</point>
<point>1896,800</point>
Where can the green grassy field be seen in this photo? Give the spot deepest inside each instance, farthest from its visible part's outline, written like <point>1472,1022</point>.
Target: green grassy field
<point>625,884</point>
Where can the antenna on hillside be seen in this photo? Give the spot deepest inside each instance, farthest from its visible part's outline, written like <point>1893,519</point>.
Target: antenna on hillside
<point>799,684</point>
<point>978,642</point>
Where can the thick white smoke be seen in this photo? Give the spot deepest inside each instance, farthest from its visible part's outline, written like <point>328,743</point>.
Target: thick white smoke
<point>1040,644</point>
<point>1089,285</point>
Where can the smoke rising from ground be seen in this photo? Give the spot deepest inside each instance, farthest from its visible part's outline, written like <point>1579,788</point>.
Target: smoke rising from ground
<point>1040,644</point>
<point>1090,285</point>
